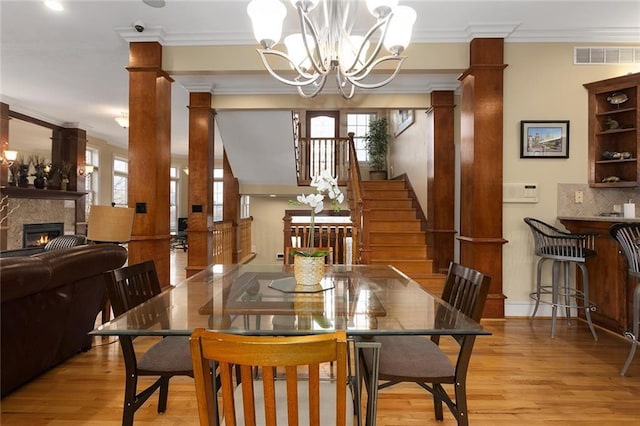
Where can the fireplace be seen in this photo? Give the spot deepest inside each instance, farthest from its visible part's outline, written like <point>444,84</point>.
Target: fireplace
<point>39,234</point>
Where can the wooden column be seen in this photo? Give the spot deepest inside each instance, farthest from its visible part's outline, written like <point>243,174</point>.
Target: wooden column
<point>481,167</point>
<point>69,145</point>
<point>231,204</point>
<point>201,163</point>
<point>440,182</point>
<point>149,156</point>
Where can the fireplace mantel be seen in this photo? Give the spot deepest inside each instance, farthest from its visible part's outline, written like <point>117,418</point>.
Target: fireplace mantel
<point>42,194</point>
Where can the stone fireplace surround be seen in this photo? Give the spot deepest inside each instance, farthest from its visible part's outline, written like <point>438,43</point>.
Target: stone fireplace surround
<point>32,211</point>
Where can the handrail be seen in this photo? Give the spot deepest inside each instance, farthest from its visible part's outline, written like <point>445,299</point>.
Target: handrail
<point>354,191</point>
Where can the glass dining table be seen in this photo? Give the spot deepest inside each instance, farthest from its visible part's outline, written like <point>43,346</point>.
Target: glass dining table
<point>363,300</point>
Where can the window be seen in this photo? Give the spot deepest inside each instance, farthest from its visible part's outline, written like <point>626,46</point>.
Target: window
<point>359,125</point>
<point>174,181</point>
<point>120,182</point>
<point>322,124</point>
<point>218,195</point>
<point>245,206</point>
<point>91,179</point>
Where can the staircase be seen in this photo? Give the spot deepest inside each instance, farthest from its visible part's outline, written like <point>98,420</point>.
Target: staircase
<point>395,232</point>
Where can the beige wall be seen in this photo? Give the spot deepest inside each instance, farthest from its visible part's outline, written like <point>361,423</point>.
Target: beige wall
<point>541,83</point>
<point>408,154</point>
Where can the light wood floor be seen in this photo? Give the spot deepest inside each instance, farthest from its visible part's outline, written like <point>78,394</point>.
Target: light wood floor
<point>518,376</point>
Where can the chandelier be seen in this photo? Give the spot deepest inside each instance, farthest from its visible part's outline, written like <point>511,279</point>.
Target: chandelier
<point>326,45</point>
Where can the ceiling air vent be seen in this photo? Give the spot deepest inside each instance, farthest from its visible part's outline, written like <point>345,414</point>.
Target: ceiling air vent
<point>606,55</point>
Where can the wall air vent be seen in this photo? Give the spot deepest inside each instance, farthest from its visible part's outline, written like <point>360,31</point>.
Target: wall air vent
<point>606,55</point>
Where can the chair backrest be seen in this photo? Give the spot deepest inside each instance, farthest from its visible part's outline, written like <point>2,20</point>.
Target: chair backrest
<point>183,223</point>
<point>129,286</point>
<point>628,237</point>
<point>553,243</point>
<point>466,290</point>
<point>289,253</point>
<point>267,353</point>
<point>65,241</point>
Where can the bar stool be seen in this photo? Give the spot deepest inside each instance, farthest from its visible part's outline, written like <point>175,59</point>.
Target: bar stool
<point>564,249</point>
<point>628,237</point>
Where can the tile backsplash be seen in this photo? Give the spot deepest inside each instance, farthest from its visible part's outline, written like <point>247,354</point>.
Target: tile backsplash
<point>596,200</point>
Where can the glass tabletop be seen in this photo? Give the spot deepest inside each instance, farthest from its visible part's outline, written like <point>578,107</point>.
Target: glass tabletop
<point>265,300</point>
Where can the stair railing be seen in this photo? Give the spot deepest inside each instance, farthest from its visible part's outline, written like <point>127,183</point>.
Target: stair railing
<point>354,196</point>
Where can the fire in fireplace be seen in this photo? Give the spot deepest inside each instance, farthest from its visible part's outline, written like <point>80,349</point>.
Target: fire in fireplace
<point>39,234</point>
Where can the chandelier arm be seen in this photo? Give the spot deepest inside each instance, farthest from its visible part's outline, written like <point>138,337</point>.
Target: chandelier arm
<point>356,80</point>
<point>384,23</point>
<point>315,92</point>
<point>341,84</point>
<point>363,73</point>
<point>307,24</point>
<point>308,78</point>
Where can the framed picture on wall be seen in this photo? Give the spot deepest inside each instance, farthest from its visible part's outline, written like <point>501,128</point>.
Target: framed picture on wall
<point>544,139</point>
<point>401,119</point>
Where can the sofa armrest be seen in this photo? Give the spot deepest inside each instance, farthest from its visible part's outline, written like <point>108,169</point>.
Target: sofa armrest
<point>80,262</point>
<point>22,276</point>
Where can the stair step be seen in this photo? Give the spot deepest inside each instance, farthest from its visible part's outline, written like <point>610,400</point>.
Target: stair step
<point>393,214</point>
<point>387,193</point>
<point>383,184</point>
<point>409,252</point>
<point>408,267</point>
<point>394,225</point>
<point>388,203</point>
<point>383,237</point>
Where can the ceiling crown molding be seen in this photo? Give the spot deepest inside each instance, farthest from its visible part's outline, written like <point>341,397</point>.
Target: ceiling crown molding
<point>149,34</point>
<point>491,30</point>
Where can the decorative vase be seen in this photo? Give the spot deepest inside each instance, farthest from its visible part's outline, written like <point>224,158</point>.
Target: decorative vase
<point>308,271</point>
<point>39,182</point>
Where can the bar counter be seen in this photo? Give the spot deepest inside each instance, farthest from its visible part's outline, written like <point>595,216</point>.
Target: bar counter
<point>610,288</point>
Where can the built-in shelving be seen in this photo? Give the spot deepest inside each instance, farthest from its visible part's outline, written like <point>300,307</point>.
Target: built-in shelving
<point>613,128</point>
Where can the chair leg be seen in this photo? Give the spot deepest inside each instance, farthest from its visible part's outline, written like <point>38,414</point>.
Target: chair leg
<point>554,296</point>
<point>163,394</point>
<point>461,403</point>
<point>634,335</point>
<point>437,408</point>
<point>632,352</point>
<point>587,303</point>
<point>567,292</point>
<point>538,286</point>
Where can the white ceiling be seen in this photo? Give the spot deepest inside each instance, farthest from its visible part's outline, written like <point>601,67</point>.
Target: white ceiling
<point>69,67</point>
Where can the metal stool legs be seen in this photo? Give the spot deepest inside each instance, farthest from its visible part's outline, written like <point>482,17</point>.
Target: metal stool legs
<point>633,335</point>
<point>564,290</point>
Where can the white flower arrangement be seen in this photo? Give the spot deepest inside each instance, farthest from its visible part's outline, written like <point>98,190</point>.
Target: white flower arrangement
<point>326,185</point>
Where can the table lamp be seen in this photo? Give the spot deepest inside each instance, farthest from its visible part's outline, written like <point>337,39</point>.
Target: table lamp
<point>110,224</point>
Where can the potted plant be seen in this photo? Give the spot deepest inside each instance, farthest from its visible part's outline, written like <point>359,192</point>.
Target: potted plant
<point>377,140</point>
<point>308,262</point>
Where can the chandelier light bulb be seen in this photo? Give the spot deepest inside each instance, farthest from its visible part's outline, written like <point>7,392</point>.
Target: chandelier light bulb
<point>297,52</point>
<point>400,28</point>
<point>267,17</point>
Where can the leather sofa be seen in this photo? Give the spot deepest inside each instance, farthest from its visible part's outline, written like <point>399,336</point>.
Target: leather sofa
<point>49,303</point>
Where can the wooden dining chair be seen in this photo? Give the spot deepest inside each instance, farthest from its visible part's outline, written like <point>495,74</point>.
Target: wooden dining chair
<point>128,287</point>
<point>291,401</point>
<point>420,360</point>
